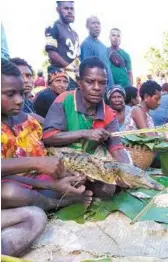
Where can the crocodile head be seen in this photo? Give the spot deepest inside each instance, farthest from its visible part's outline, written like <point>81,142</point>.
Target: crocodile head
<point>135,177</point>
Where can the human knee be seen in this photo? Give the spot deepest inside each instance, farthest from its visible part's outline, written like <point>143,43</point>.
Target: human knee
<point>36,216</point>
<point>9,191</point>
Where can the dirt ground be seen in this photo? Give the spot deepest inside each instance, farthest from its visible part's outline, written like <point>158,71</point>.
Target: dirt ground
<point>114,237</point>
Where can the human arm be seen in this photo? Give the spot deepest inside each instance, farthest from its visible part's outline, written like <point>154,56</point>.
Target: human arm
<point>114,144</point>
<point>55,129</point>
<point>52,36</point>
<point>109,71</point>
<point>129,69</point>
<point>140,119</point>
<point>69,184</point>
<point>110,77</point>
<point>65,138</point>
<point>122,156</point>
<point>15,165</point>
<point>130,75</point>
<point>55,58</point>
<point>48,165</point>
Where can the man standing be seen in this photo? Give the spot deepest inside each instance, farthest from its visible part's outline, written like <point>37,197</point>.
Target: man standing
<point>92,46</point>
<point>62,42</point>
<point>120,60</point>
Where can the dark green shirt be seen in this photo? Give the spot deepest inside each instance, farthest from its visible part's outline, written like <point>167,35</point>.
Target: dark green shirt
<point>120,74</point>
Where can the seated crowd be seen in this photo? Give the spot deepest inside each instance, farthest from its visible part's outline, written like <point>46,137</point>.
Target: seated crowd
<point>33,182</point>
<point>82,102</point>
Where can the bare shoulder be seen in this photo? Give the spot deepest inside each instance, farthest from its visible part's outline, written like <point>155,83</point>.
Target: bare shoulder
<point>137,111</point>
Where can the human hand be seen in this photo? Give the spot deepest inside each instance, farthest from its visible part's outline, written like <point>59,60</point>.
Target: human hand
<point>50,165</point>
<point>99,134</point>
<point>69,185</point>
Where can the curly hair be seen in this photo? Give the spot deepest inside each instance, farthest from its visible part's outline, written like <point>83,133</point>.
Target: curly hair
<point>21,62</point>
<point>9,69</point>
<point>149,88</point>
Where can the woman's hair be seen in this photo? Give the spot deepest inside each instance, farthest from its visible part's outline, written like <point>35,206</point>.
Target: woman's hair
<point>115,88</point>
<point>149,88</point>
<point>131,92</point>
<point>9,69</point>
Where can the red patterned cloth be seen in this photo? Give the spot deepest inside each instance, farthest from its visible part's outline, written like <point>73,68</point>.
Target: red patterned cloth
<point>23,139</point>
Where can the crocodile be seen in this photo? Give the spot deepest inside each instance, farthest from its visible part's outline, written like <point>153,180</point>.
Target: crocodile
<point>106,170</point>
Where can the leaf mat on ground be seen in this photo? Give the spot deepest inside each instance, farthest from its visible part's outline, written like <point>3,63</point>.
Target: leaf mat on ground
<point>123,201</point>
<point>71,212</point>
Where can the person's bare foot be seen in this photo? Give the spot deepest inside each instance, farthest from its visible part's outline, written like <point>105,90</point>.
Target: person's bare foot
<point>85,198</point>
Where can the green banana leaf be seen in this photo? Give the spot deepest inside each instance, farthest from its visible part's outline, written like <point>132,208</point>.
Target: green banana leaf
<point>97,211</point>
<point>161,147</point>
<point>162,180</point>
<point>129,202</point>
<point>155,213</point>
<point>73,212</point>
<point>155,143</point>
<point>142,193</point>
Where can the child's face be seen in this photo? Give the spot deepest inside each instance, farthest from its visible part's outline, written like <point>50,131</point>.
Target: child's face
<point>12,89</point>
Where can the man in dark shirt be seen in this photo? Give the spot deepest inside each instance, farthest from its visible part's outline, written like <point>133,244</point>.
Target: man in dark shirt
<point>58,82</point>
<point>62,43</point>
